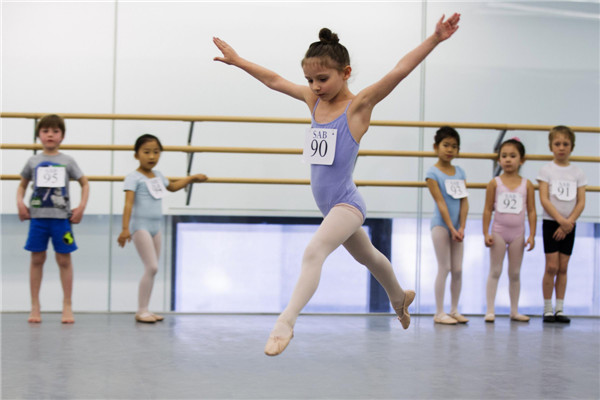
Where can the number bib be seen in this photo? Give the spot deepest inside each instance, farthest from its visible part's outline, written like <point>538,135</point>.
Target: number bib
<point>564,190</point>
<point>51,176</point>
<point>456,188</point>
<point>156,188</point>
<point>509,203</point>
<point>319,146</point>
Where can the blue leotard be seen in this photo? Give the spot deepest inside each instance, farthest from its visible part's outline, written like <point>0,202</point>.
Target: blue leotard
<point>333,184</point>
<point>147,211</point>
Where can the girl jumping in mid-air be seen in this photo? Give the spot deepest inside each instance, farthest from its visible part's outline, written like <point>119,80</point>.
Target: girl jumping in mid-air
<point>508,196</point>
<point>144,189</point>
<point>446,183</point>
<point>339,121</point>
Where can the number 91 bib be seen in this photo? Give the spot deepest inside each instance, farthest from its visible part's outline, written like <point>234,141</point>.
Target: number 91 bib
<point>319,146</point>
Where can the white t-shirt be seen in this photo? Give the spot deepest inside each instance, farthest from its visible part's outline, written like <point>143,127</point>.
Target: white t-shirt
<point>563,183</point>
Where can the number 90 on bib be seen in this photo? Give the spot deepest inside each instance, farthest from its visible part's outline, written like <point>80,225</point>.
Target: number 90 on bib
<point>319,146</point>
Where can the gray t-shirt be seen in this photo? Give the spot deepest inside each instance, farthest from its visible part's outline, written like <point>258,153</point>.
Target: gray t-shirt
<point>50,176</point>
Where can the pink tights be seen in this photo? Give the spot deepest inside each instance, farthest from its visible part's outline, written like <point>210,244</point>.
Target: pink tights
<point>449,254</point>
<point>341,226</point>
<point>515,256</point>
<point>148,248</point>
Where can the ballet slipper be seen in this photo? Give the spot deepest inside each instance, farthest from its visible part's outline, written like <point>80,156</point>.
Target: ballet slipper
<point>157,317</point>
<point>67,316</point>
<point>277,343</point>
<point>519,318</point>
<point>145,318</point>
<point>66,320</point>
<point>444,319</point>
<point>34,320</point>
<point>489,317</point>
<point>402,312</point>
<point>461,319</point>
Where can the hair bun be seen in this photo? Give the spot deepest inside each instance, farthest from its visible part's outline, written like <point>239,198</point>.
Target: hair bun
<point>328,37</point>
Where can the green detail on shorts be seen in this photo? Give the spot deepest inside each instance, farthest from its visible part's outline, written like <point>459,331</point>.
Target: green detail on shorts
<point>36,202</point>
<point>68,238</point>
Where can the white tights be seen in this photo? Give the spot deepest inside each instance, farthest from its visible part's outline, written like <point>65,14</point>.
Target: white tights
<point>340,226</point>
<point>515,256</point>
<point>449,254</point>
<point>148,248</point>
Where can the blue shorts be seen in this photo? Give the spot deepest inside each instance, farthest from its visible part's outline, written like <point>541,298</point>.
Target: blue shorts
<point>42,229</point>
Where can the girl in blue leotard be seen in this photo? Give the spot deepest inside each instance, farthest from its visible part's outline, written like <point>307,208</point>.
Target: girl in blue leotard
<point>144,189</point>
<point>339,121</point>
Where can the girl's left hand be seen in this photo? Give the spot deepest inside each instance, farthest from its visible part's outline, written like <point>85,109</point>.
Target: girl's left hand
<point>445,29</point>
<point>531,243</point>
<point>456,236</point>
<point>199,178</point>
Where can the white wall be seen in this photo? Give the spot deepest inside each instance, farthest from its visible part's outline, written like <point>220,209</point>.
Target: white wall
<point>509,63</point>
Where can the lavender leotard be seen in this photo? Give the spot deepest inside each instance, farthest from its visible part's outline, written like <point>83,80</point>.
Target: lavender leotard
<point>333,184</point>
<point>509,226</point>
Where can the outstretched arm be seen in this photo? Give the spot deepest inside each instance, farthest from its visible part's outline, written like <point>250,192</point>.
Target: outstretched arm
<point>370,96</point>
<point>266,76</point>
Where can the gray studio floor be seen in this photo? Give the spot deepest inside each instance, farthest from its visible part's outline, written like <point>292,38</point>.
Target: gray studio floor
<point>109,356</point>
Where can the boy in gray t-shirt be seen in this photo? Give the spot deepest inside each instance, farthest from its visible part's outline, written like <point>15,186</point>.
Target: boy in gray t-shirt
<point>50,211</point>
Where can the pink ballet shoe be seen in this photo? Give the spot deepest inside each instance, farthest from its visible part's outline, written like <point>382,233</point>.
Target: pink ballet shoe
<point>277,344</point>
<point>157,317</point>
<point>402,312</point>
<point>145,318</point>
<point>34,320</point>
<point>461,319</point>
<point>519,318</point>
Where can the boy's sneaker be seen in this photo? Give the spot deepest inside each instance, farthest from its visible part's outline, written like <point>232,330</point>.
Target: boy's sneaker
<point>549,317</point>
<point>561,317</point>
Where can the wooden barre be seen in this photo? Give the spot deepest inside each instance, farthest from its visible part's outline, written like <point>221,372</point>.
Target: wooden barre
<point>257,150</point>
<point>273,181</point>
<point>270,120</point>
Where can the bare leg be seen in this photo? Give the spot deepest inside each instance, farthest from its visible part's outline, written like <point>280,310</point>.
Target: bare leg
<point>561,277</point>
<point>36,271</point>
<point>515,258</point>
<point>552,263</point>
<point>66,279</point>
<point>335,229</point>
<point>148,248</point>
<point>497,251</point>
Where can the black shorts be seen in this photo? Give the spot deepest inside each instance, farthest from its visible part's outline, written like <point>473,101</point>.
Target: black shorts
<point>551,245</point>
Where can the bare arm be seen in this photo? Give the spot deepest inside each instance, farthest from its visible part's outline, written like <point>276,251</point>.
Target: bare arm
<point>531,215</point>
<point>77,214</point>
<point>21,207</point>
<point>125,235</point>
<point>367,98</point>
<point>579,206</point>
<point>565,224</point>
<point>436,193</point>
<point>181,183</point>
<point>269,78</point>
<point>464,211</point>
<point>488,208</point>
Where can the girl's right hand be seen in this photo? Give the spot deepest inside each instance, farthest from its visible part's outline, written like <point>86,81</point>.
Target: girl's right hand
<point>23,212</point>
<point>229,55</point>
<point>566,225</point>
<point>455,235</point>
<point>124,237</point>
<point>559,234</point>
<point>489,241</point>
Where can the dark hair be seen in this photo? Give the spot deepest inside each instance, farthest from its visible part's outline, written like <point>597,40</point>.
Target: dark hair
<point>328,47</point>
<point>51,121</point>
<point>515,142</point>
<point>561,130</point>
<point>446,132</point>
<point>145,138</point>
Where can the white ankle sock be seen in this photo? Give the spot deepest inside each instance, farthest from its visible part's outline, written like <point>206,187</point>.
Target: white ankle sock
<point>559,305</point>
<point>547,306</point>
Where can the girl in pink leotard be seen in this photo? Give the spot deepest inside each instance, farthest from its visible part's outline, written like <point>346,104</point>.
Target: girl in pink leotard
<point>508,195</point>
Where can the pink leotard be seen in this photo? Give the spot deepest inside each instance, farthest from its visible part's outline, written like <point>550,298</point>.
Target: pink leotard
<point>509,226</point>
